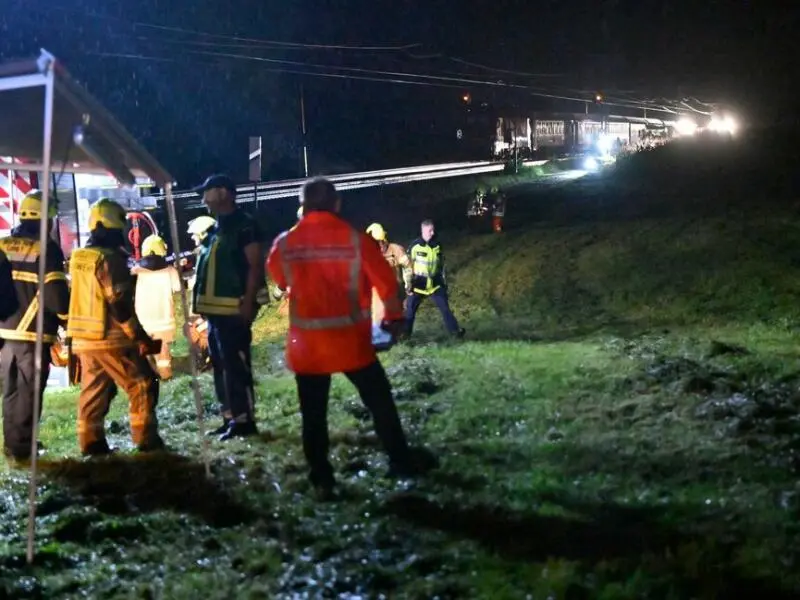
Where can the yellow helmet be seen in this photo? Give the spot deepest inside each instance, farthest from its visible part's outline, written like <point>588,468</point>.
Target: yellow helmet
<point>107,213</point>
<point>377,232</point>
<point>153,244</point>
<point>30,209</point>
<point>199,227</point>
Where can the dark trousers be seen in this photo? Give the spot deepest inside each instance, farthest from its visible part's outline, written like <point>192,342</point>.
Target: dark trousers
<point>376,394</point>
<point>439,298</point>
<point>229,340</point>
<point>19,370</point>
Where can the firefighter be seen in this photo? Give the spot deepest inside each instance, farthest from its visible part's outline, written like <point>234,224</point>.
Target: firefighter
<point>230,277</point>
<point>18,331</point>
<point>397,258</point>
<point>156,285</point>
<point>428,279</point>
<point>199,229</point>
<point>330,269</point>
<point>498,199</point>
<point>107,337</point>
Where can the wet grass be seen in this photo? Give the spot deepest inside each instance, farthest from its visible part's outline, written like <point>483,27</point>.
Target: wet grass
<point>620,423</point>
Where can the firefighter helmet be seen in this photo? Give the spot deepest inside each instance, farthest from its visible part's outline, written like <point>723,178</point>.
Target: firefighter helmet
<point>30,208</point>
<point>107,213</point>
<point>377,232</point>
<point>154,244</point>
<point>199,227</point>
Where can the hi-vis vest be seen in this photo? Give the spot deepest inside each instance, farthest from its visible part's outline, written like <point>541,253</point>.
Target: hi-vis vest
<point>89,324</point>
<point>426,266</point>
<point>218,288</point>
<point>23,254</point>
<point>88,314</point>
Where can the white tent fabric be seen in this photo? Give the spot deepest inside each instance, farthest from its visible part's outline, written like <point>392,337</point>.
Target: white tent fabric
<point>43,110</point>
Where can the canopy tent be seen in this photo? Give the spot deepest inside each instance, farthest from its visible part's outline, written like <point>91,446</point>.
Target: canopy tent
<point>42,109</point>
<point>84,134</point>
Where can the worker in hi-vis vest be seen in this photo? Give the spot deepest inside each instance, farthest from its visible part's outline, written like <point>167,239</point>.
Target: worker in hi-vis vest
<point>428,279</point>
<point>107,337</point>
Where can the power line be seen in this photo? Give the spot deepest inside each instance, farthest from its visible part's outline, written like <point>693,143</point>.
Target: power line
<point>262,44</point>
<point>279,43</point>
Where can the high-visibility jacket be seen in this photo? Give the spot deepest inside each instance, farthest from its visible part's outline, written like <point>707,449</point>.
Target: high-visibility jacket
<point>427,266</point>
<point>156,284</point>
<point>101,308</point>
<point>329,269</point>
<point>222,267</point>
<point>396,256</point>
<point>23,252</point>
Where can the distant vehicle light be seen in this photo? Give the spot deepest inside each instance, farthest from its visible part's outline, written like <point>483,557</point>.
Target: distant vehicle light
<point>725,124</point>
<point>590,164</point>
<point>685,126</point>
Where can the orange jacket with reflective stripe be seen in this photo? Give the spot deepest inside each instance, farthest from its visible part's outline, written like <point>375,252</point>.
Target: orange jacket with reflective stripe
<point>330,269</point>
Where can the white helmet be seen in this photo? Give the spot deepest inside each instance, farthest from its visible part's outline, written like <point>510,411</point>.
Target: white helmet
<point>199,228</point>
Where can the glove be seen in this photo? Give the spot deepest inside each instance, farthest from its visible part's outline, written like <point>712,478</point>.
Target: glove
<point>396,327</point>
<point>149,347</point>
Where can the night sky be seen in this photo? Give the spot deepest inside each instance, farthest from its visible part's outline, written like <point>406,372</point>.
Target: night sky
<point>192,80</point>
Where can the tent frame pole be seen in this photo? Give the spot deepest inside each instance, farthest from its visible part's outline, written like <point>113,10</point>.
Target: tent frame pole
<point>193,353</point>
<point>49,100</point>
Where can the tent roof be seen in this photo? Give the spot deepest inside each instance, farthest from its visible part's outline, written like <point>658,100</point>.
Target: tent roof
<point>104,146</point>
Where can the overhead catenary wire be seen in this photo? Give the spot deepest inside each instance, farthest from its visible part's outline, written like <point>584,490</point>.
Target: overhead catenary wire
<point>269,44</point>
<point>397,77</point>
<point>253,40</point>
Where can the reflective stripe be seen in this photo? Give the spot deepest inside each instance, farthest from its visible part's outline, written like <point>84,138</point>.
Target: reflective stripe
<point>21,333</point>
<point>30,313</point>
<point>14,335</point>
<point>26,277</point>
<point>353,254</point>
<point>55,276</point>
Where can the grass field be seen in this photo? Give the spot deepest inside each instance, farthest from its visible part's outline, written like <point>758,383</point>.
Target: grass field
<point>620,422</point>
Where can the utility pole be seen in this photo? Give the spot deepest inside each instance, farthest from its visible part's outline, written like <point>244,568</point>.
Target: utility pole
<point>303,123</point>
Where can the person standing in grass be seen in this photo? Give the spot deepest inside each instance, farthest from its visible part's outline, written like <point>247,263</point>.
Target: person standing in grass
<point>230,279</point>
<point>18,328</point>
<point>156,285</point>
<point>428,279</point>
<point>329,269</point>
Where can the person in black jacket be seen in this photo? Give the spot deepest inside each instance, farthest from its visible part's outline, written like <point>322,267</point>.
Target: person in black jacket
<point>19,329</point>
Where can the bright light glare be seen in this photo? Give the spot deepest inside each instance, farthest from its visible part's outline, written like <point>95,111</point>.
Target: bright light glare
<point>604,144</point>
<point>590,163</point>
<point>723,125</point>
<point>685,126</point>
